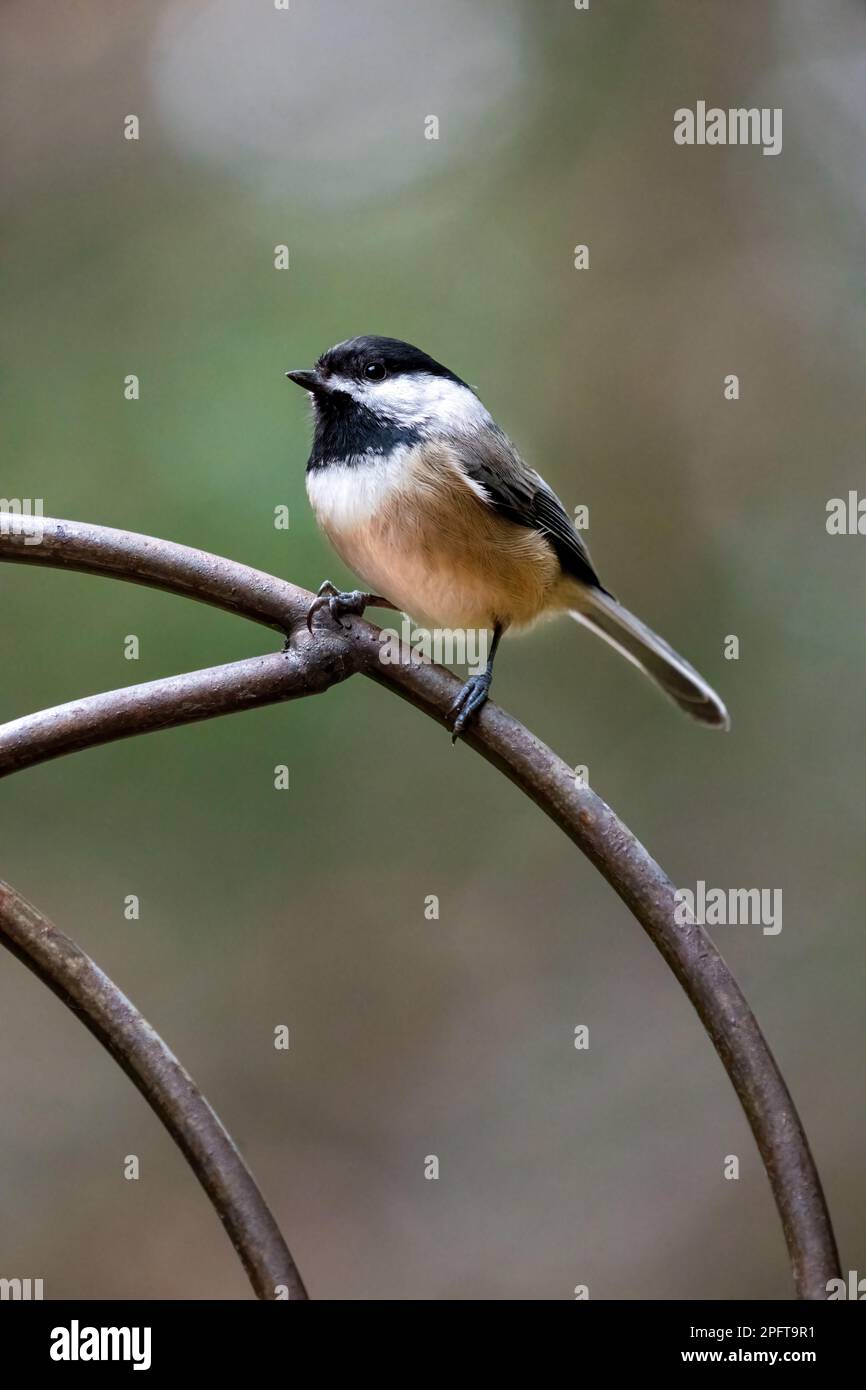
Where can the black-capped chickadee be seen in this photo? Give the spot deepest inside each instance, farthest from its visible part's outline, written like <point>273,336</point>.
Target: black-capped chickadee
<point>423,495</point>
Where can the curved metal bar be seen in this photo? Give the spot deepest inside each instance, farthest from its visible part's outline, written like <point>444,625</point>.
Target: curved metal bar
<point>536,770</point>
<point>166,1086</point>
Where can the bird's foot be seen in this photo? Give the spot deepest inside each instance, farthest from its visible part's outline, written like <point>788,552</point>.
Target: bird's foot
<point>470,698</point>
<point>340,603</point>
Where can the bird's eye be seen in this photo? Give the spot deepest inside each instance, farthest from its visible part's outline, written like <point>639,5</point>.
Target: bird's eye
<point>375,371</point>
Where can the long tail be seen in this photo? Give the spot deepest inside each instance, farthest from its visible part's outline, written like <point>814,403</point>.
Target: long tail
<point>652,655</point>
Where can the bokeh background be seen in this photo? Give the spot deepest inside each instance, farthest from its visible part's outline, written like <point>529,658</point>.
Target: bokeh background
<point>306,907</point>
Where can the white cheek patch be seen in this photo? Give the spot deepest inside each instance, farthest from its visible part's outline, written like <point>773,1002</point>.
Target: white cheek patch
<point>418,398</point>
<point>346,384</point>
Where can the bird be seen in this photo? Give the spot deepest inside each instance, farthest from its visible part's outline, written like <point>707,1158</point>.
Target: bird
<point>426,498</point>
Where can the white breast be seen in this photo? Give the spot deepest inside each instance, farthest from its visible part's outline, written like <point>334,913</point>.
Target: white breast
<point>349,495</point>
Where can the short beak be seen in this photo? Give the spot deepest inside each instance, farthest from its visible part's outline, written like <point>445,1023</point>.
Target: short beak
<point>310,381</point>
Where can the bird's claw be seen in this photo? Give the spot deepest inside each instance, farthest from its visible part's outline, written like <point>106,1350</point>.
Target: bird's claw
<point>353,601</point>
<point>470,698</point>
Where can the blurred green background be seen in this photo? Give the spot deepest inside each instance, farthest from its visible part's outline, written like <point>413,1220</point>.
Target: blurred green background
<point>306,907</point>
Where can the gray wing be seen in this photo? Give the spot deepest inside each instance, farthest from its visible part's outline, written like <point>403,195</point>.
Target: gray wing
<point>519,493</point>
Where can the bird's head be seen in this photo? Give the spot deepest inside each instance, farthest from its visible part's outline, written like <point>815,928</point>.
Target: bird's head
<point>370,381</point>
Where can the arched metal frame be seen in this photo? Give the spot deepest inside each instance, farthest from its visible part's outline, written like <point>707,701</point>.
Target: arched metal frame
<point>311,663</point>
